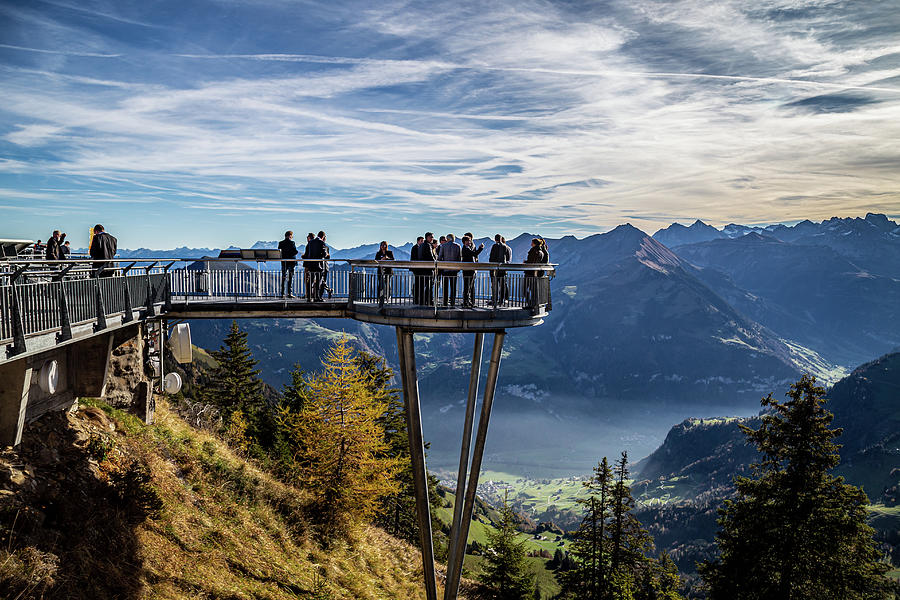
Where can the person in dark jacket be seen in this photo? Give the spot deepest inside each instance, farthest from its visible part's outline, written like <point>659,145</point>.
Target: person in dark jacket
<point>307,276</point>
<point>323,283</point>
<point>384,273</point>
<point>288,250</point>
<point>428,253</point>
<point>66,250</point>
<point>103,247</point>
<point>416,283</point>
<point>502,254</point>
<point>449,251</point>
<point>469,255</point>
<point>535,256</point>
<point>316,252</point>
<point>54,246</point>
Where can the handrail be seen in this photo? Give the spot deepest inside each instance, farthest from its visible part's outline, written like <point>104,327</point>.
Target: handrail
<point>41,296</point>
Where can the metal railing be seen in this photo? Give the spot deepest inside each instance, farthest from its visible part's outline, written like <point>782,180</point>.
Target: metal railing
<point>38,297</point>
<point>42,296</point>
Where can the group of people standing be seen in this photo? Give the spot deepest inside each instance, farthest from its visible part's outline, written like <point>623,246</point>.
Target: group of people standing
<point>315,265</point>
<point>447,249</point>
<point>56,248</point>
<point>103,248</point>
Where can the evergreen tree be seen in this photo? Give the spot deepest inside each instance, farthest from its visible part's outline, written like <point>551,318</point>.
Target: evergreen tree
<point>610,554</point>
<point>339,449</point>
<point>234,386</point>
<point>295,393</point>
<point>796,532</point>
<point>589,579</point>
<point>506,570</point>
<point>630,541</point>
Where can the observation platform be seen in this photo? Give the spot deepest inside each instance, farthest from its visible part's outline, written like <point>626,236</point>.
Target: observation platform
<point>60,322</point>
<point>45,304</point>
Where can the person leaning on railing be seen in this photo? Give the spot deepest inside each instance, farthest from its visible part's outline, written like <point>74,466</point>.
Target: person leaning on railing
<point>384,273</point>
<point>316,253</point>
<point>103,247</point>
<point>536,255</point>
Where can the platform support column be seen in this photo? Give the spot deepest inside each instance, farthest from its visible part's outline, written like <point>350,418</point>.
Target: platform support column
<point>456,554</point>
<point>407,354</point>
<point>459,531</point>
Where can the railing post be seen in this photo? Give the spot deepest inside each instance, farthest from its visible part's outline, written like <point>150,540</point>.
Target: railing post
<point>167,287</point>
<point>151,309</point>
<point>435,288</point>
<point>65,322</point>
<point>99,306</point>
<point>18,327</point>
<point>129,310</point>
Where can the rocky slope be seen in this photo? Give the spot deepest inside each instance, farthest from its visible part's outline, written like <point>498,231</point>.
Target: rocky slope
<point>95,504</point>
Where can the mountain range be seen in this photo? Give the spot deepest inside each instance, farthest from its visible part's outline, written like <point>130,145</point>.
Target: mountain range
<point>643,333</point>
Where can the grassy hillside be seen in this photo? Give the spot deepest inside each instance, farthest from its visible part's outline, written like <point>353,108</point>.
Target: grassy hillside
<point>98,505</point>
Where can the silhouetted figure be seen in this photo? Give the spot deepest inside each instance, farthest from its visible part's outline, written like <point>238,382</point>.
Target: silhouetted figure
<point>470,255</point>
<point>316,253</point>
<point>288,250</point>
<point>54,246</point>
<point>416,273</point>
<point>449,251</point>
<point>66,250</point>
<point>425,277</point>
<point>535,256</point>
<point>502,254</point>
<point>326,266</point>
<point>384,273</point>
<point>103,247</point>
<point>307,274</point>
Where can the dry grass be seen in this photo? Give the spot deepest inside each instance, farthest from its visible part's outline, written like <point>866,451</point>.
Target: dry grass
<point>204,523</point>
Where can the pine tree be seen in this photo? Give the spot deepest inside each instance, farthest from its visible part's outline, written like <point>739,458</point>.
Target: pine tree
<point>339,450</point>
<point>589,579</point>
<point>506,570</point>
<point>295,393</point>
<point>631,543</point>
<point>235,385</point>
<point>796,532</point>
<point>610,552</point>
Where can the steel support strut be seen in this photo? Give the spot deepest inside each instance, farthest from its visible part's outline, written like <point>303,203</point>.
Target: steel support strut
<point>407,354</point>
<point>460,529</point>
<point>457,553</point>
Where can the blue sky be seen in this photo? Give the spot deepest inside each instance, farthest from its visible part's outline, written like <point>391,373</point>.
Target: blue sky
<point>207,123</point>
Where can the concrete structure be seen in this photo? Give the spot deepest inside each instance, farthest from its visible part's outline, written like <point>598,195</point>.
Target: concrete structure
<point>64,322</point>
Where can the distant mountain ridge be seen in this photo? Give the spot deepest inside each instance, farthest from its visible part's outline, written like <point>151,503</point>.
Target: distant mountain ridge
<point>637,323</point>
<point>709,452</point>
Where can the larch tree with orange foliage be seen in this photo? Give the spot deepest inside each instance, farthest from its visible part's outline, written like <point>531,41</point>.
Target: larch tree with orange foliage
<point>338,444</point>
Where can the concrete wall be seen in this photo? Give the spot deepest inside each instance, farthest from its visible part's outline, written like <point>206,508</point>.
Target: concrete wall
<point>109,366</point>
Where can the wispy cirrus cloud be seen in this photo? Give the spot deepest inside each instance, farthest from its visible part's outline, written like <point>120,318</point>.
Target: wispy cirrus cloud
<point>571,117</point>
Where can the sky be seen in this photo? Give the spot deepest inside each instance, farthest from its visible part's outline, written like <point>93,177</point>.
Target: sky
<point>216,122</point>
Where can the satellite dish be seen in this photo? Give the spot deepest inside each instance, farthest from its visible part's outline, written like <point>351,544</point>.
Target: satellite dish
<point>172,383</point>
<point>48,379</point>
<point>180,343</point>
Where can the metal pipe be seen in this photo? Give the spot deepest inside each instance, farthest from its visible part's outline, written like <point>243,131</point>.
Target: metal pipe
<point>407,354</point>
<point>458,546</point>
<point>490,387</point>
